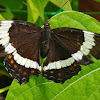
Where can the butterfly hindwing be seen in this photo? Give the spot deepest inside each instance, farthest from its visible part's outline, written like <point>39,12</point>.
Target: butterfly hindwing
<point>62,74</point>
<point>19,72</point>
<point>19,41</point>
<point>69,48</point>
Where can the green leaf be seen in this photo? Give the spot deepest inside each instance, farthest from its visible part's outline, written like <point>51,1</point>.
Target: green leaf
<point>1,17</point>
<point>75,4</point>
<point>4,89</point>
<point>11,6</point>
<point>7,15</point>
<point>75,20</point>
<point>97,0</point>
<point>37,8</point>
<point>60,3</point>
<point>84,86</point>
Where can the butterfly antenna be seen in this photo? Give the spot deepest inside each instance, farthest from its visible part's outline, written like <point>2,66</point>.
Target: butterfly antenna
<point>33,10</point>
<point>63,6</point>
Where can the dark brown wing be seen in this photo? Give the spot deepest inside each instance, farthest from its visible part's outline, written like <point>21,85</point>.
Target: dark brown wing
<point>68,48</point>
<point>25,37</point>
<point>19,40</point>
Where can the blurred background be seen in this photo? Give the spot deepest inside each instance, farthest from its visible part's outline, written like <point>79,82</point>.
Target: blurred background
<point>91,7</point>
<point>17,10</point>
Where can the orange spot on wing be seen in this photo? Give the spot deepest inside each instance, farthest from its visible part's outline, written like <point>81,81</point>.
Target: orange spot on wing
<point>10,56</point>
<point>19,70</point>
<point>71,68</point>
<point>52,72</point>
<point>75,65</point>
<point>15,66</point>
<point>45,71</point>
<point>24,73</point>
<point>32,71</point>
<point>11,61</point>
<point>59,74</point>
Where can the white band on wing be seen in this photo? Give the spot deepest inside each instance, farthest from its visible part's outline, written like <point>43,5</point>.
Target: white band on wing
<point>26,62</point>
<point>59,64</point>
<point>85,48</point>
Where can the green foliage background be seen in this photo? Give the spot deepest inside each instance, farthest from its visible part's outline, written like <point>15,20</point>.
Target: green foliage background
<point>85,85</point>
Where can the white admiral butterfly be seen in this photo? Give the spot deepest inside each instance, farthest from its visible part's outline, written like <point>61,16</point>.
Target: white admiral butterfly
<point>65,48</point>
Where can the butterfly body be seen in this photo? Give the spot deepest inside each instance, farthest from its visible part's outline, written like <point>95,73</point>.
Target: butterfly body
<point>65,49</point>
<point>45,40</point>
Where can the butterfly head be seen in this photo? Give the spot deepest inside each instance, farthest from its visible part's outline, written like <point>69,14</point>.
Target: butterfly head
<point>46,24</point>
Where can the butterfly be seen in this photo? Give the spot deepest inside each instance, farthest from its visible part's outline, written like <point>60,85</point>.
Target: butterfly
<point>65,49</point>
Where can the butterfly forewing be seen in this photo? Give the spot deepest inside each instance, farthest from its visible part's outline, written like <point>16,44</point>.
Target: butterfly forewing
<point>25,38</point>
<point>95,51</point>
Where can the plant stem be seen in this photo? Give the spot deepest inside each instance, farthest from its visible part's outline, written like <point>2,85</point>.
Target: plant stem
<point>4,73</point>
<point>4,89</point>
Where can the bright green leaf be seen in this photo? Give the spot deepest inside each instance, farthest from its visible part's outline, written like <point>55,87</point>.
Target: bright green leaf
<point>4,89</point>
<point>84,86</point>
<point>1,17</point>
<point>7,15</point>
<point>75,20</point>
<point>37,8</point>
<point>60,3</point>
